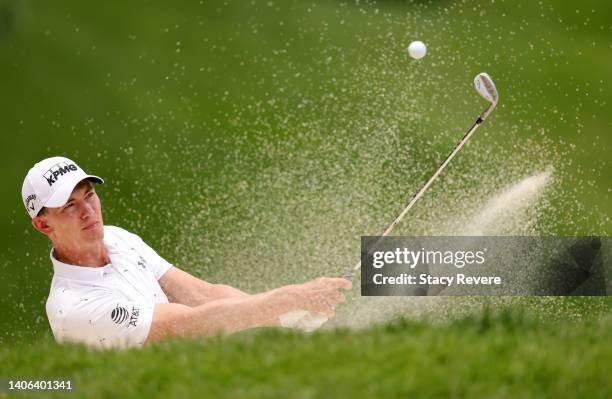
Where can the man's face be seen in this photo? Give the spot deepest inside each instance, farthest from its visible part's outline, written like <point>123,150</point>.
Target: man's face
<point>79,221</point>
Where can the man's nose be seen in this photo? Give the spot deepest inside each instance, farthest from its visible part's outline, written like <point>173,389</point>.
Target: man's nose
<point>87,210</point>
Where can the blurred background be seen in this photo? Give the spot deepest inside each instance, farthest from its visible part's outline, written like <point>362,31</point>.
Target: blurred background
<point>253,143</point>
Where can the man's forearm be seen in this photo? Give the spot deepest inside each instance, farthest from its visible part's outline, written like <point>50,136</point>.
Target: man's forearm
<point>317,298</point>
<point>242,312</point>
<point>214,292</point>
<point>225,315</point>
<point>181,287</point>
<point>220,291</point>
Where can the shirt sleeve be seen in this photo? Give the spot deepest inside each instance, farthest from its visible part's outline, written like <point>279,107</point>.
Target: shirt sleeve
<point>108,321</point>
<point>156,263</point>
<point>159,265</point>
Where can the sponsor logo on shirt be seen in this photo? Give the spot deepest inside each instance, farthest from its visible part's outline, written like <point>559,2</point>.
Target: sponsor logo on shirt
<point>141,262</point>
<point>59,170</point>
<point>134,317</point>
<point>119,314</point>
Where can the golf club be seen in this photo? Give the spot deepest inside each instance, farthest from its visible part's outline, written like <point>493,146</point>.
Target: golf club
<point>483,83</point>
<point>485,87</point>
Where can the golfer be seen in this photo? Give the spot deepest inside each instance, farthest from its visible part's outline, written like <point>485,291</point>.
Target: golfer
<point>110,289</point>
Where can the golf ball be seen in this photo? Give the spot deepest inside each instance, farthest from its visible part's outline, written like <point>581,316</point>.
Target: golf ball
<point>417,50</point>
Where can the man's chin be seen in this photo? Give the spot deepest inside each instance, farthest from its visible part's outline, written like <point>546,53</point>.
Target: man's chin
<point>94,233</point>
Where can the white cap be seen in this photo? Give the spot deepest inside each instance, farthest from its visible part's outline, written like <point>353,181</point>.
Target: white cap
<point>50,182</point>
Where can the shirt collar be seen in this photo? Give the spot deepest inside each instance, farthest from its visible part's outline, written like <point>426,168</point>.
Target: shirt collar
<point>84,272</point>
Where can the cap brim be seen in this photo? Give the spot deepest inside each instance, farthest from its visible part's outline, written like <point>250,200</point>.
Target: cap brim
<point>62,194</point>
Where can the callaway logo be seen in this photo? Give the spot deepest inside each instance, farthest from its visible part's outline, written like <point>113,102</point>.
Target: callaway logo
<point>31,197</point>
<point>57,170</point>
<point>121,314</point>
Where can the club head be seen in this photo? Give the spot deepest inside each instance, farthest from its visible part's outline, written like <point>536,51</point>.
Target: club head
<point>485,86</point>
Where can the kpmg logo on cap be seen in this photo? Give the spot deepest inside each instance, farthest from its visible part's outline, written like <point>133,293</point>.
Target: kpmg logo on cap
<point>30,198</point>
<point>59,170</point>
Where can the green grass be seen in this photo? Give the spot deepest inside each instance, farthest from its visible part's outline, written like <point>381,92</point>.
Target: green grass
<point>502,353</point>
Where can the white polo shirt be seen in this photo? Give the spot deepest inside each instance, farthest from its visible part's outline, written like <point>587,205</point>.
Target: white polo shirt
<point>109,306</point>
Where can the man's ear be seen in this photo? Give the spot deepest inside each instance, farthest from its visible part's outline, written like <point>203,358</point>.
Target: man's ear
<point>40,224</point>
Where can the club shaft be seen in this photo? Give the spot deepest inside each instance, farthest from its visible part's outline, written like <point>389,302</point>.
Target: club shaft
<point>350,274</point>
